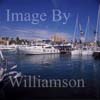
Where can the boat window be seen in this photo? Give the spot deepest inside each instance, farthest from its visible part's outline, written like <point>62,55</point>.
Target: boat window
<point>47,47</point>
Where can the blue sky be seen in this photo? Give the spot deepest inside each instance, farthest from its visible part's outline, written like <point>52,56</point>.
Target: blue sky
<point>84,8</point>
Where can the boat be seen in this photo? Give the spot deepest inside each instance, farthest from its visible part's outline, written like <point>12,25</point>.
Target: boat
<point>6,71</point>
<point>96,53</point>
<point>80,49</point>
<point>75,50</point>
<point>87,51</point>
<point>8,47</point>
<point>38,48</point>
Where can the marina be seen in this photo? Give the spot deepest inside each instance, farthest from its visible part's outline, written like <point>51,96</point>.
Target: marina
<point>50,50</point>
<point>57,44</point>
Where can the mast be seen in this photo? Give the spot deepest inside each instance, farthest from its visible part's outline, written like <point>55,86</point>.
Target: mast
<point>97,27</point>
<point>87,27</point>
<point>82,34</point>
<point>75,30</point>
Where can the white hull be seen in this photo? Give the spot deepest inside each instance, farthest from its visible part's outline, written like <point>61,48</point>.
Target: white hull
<point>76,52</point>
<point>7,47</point>
<point>35,50</point>
<point>82,52</point>
<point>87,52</point>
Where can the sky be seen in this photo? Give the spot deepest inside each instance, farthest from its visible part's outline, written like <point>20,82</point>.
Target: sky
<point>46,29</point>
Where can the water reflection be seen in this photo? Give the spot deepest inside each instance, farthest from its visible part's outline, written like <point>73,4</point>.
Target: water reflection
<point>76,57</point>
<point>62,66</point>
<point>39,59</point>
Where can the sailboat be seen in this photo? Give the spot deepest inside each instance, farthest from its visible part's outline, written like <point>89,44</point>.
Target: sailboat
<point>96,53</point>
<point>87,50</point>
<point>75,49</point>
<point>81,49</point>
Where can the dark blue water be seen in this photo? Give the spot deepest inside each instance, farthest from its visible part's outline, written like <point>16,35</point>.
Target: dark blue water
<point>58,67</point>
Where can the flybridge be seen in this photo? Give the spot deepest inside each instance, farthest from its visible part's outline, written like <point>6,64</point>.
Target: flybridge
<point>36,18</point>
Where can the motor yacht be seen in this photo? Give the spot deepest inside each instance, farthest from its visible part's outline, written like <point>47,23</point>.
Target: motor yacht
<point>38,49</point>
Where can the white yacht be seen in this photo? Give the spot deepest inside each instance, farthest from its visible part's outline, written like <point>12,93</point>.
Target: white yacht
<point>8,47</point>
<point>87,51</point>
<point>40,48</point>
<point>76,52</point>
<point>82,51</point>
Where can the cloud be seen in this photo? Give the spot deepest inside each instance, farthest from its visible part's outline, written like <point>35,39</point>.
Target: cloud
<point>28,33</point>
<point>31,33</point>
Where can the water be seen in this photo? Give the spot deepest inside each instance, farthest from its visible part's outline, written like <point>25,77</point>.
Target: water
<point>57,66</point>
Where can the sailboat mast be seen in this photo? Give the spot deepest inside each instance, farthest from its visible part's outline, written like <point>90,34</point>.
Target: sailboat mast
<point>87,27</point>
<point>75,30</point>
<point>82,34</point>
<point>97,27</point>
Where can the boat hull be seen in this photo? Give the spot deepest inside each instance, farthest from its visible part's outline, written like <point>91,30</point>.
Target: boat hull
<point>35,51</point>
<point>96,54</point>
<point>87,52</point>
<point>82,52</point>
<point>76,52</point>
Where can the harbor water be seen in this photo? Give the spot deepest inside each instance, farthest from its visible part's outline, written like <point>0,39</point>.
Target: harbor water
<point>54,66</point>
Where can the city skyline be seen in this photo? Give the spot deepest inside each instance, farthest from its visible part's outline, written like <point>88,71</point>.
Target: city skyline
<point>83,8</point>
